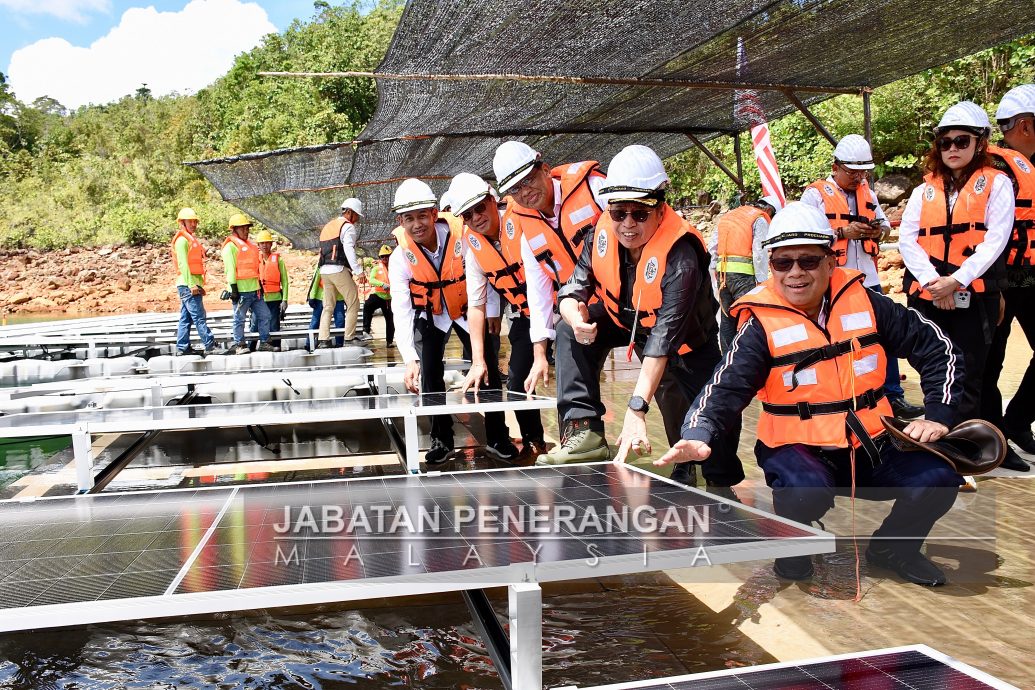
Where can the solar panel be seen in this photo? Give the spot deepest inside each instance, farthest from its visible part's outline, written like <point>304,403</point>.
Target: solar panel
<point>124,556</point>
<point>916,667</point>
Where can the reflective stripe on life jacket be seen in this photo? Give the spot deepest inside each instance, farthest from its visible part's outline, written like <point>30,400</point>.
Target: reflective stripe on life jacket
<point>269,274</point>
<point>835,206</point>
<point>948,243</point>
<point>1022,241</point>
<point>332,252</point>
<point>195,253</point>
<point>430,289</point>
<point>247,257</point>
<point>558,250</point>
<point>502,268</point>
<point>650,272</point>
<point>819,375</point>
<point>735,234</point>
<point>379,273</point>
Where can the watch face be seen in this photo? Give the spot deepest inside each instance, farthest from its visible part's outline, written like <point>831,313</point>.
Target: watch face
<point>637,404</point>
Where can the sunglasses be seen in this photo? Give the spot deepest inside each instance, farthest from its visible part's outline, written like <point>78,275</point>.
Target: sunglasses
<point>639,215</point>
<point>960,141</point>
<point>525,181</point>
<point>856,174</point>
<point>809,262</point>
<point>469,213</point>
<point>1006,125</point>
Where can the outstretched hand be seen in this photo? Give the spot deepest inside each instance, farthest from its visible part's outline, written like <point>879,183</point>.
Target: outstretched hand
<point>685,451</point>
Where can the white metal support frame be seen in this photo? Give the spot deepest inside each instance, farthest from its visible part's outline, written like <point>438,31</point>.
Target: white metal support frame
<point>526,636</point>
<point>82,454</point>
<point>411,435</point>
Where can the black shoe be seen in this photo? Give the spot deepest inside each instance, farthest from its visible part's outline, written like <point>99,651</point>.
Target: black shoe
<point>324,345</point>
<point>265,347</point>
<point>903,410</point>
<point>504,450</point>
<point>188,351</point>
<point>726,492</point>
<point>439,452</point>
<point>914,567</point>
<point>685,473</point>
<point>209,349</point>
<point>793,567</point>
<point>1014,462</point>
<point>1022,438</point>
<point>238,349</point>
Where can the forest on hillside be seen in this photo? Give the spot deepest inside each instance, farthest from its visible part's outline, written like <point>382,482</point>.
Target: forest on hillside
<point>113,173</point>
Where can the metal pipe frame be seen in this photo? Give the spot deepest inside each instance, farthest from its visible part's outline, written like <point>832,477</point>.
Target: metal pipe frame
<point>796,102</point>
<point>737,179</point>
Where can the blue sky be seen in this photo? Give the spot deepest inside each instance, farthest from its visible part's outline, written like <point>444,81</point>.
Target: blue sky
<point>99,33</point>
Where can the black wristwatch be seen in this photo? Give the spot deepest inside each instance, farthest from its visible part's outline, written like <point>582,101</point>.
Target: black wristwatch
<point>638,404</point>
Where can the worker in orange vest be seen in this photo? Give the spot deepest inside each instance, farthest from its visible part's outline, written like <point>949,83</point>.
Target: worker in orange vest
<point>241,263</point>
<point>189,261</point>
<point>380,297</point>
<point>341,271</point>
<point>273,276</point>
<point>812,347</point>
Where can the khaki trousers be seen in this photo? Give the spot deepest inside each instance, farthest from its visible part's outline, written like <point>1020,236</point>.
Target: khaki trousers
<point>335,284</point>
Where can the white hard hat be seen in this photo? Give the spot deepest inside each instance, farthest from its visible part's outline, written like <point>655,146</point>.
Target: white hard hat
<point>353,204</point>
<point>413,194</point>
<point>965,115</point>
<point>773,201</point>
<point>1017,101</point>
<point>853,152</point>
<point>634,173</point>
<point>799,223</point>
<point>467,190</point>
<point>444,204</point>
<point>512,163</point>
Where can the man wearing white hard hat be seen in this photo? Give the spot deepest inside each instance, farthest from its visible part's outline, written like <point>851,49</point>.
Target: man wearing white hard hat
<point>341,270</point>
<point>738,260</point>
<point>429,299</point>
<point>1016,119</point>
<point>554,211</point>
<point>495,274</point>
<point>806,325</point>
<point>859,223</point>
<point>954,231</point>
<point>642,284</point>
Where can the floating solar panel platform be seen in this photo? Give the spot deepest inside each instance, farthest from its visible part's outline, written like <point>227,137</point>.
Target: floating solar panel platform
<point>916,667</point>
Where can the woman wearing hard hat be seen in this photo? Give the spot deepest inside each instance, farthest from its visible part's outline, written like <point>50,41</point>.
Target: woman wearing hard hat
<point>274,278</point>
<point>953,233</point>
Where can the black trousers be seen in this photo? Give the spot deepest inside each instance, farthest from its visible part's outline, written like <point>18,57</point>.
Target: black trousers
<point>970,330</point>
<point>374,303</point>
<point>1020,413</point>
<point>431,348</point>
<point>521,356</point>
<point>737,285</point>
<point>578,389</point>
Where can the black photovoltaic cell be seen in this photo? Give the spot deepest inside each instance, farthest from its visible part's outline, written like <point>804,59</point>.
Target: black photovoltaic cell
<point>895,670</point>
<point>97,548</point>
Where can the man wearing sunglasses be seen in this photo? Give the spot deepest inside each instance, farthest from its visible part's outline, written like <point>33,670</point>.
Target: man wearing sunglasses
<point>641,284</point>
<point>1016,119</point>
<point>553,211</point>
<point>859,223</point>
<point>812,347</point>
<point>493,269</point>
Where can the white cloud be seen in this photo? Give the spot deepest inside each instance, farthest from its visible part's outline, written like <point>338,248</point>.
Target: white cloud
<point>169,51</point>
<point>71,10</point>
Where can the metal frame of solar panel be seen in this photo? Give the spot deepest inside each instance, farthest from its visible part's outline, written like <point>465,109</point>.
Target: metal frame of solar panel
<point>912,667</point>
<point>73,561</point>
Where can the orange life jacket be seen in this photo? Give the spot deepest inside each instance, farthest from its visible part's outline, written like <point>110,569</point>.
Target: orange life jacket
<point>835,206</point>
<point>650,271</point>
<point>430,289</point>
<point>247,257</point>
<point>949,243</point>
<point>269,273</point>
<point>558,250</point>
<point>817,376</point>
<point>735,235</point>
<point>195,253</point>
<point>502,267</point>
<point>332,252</point>
<point>1022,242</point>
<point>380,274</point>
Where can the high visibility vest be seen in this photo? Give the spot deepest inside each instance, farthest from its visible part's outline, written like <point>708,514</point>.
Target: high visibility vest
<point>195,253</point>
<point>735,235</point>
<point>502,268</point>
<point>247,257</point>
<point>332,252</point>
<point>650,272</point>
<point>558,250</point>
<point>379,273</point>
<point>434,290</point>
<point>835,206</point>
<point>818,375</point>
<point>1021,246</point>
<point>269,274</point>
<point>948,242</point>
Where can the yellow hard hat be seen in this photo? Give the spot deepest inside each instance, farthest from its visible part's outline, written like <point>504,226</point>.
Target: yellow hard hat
<point>238,220</point>
<point>385,250</point>
<point>264,236</point>
<point>186,214</point>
